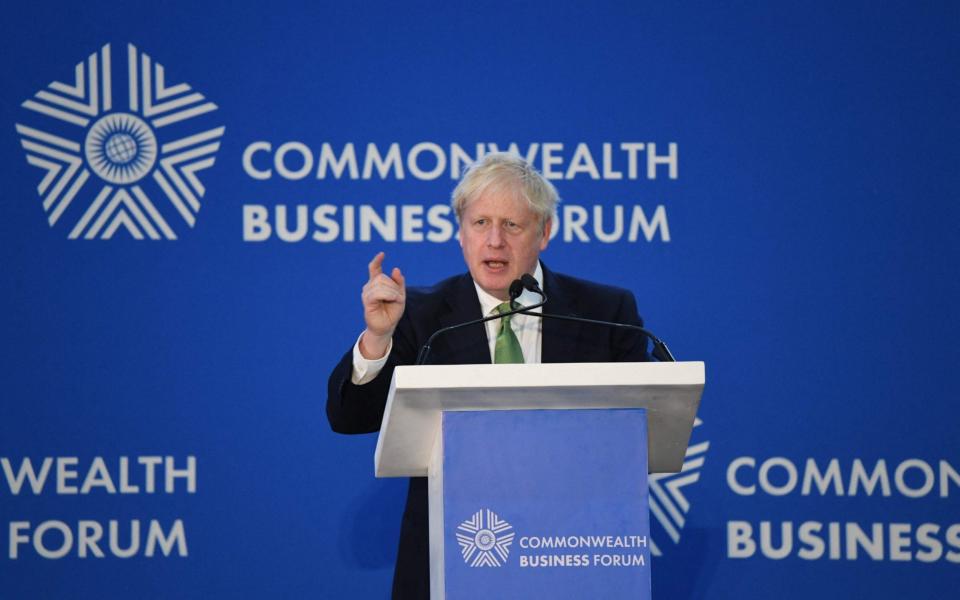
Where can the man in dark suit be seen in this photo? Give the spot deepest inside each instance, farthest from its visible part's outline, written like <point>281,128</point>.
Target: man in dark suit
<point>505,210</point>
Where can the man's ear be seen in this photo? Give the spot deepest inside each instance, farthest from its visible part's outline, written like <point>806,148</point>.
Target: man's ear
<point>545,239</point>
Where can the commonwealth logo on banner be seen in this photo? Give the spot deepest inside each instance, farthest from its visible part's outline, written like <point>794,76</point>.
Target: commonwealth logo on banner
<point>485,539</point>
<point>668,503</point>
<point>130,164</point>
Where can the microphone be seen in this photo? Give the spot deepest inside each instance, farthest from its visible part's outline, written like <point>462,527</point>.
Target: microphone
<point>660,350</point>
<point>516,288</point>
<point>530,282</point>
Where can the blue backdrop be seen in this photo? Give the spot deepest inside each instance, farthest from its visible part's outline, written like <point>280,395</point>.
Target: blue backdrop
<point>791,220</point>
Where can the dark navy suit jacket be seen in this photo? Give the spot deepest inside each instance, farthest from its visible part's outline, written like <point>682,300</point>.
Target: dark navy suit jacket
<point>359,409</point>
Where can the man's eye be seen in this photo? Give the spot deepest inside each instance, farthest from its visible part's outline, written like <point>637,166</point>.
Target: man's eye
<point>510,226</point>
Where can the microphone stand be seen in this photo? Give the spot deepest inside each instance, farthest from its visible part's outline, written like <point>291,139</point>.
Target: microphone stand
<point>660,350</point>
<point>516,288</point>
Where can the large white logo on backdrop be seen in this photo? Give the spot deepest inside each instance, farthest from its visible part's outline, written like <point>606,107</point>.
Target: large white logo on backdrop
<point>485,539</point>
<point>668,504</point>
<point>128,148</point>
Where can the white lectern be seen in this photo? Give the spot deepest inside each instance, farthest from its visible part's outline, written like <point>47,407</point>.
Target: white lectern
<point>549,459</point>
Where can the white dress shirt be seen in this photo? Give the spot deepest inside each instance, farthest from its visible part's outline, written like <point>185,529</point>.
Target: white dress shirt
<point>528,329</point>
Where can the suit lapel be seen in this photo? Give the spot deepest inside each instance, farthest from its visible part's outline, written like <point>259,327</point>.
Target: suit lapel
<point>469,346</point>
<point>559,343</point>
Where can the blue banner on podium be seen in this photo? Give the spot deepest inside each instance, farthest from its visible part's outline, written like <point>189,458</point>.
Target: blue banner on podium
<point>546,504</point>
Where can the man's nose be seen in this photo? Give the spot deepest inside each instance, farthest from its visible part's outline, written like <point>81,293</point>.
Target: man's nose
<point>495,238</point>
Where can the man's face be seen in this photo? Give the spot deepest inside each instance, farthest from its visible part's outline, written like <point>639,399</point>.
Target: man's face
<point>501,240</point>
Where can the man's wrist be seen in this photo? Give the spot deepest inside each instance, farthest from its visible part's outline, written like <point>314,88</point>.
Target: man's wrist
<point>373,346</point>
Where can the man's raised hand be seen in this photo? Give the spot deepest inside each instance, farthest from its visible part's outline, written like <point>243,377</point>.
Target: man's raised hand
<point>384,299</point>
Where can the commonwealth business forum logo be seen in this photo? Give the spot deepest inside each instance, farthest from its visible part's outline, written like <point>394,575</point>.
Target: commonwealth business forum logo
<point>127,162</point>
<point>485,539</point>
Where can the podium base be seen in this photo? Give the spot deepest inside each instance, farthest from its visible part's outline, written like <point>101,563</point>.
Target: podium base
<point>540,504</point>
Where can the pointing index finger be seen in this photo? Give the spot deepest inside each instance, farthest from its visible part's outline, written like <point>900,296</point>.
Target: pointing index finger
<point>376,265</point>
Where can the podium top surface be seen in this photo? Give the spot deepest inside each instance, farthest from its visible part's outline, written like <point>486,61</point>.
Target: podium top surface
<point>669,391</point>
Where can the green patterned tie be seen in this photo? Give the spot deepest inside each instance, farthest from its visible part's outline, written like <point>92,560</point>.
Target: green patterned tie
<point>507,349</point>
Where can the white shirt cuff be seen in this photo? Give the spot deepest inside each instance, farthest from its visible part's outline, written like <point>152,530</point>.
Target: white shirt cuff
<point>364,369</point>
